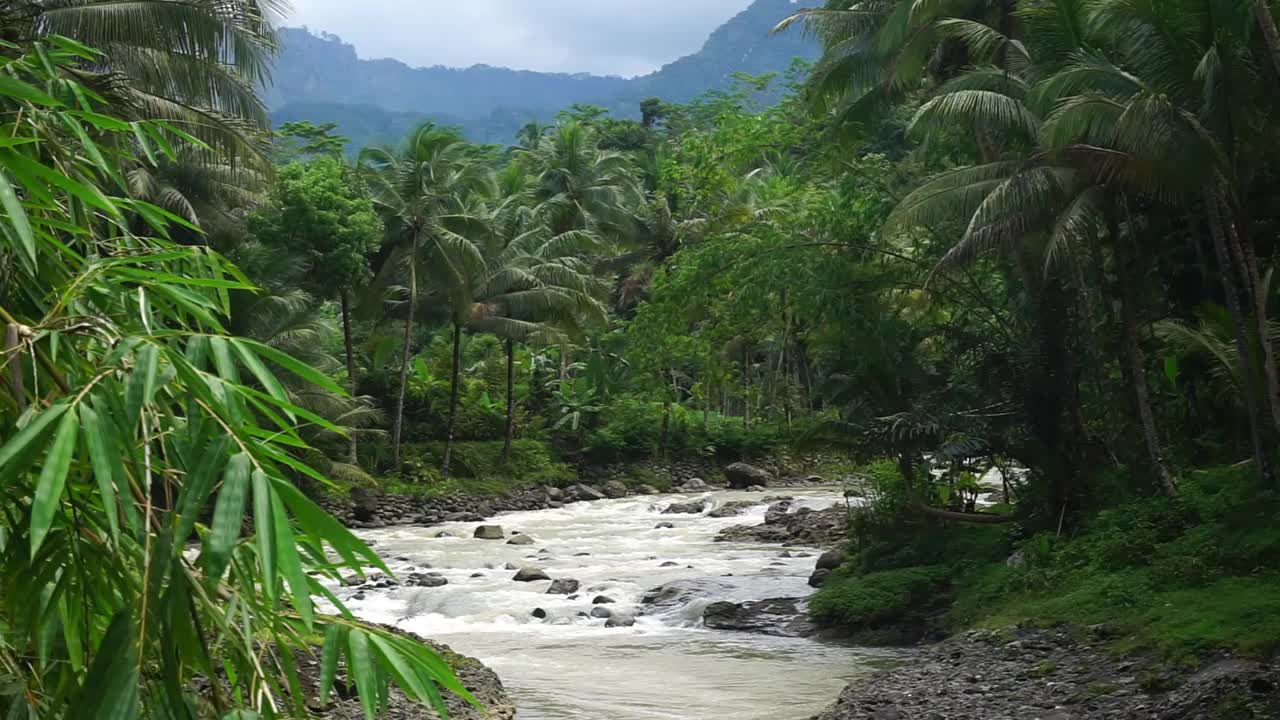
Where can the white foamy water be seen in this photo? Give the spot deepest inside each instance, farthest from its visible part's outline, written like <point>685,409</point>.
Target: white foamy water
<point>667,666</point>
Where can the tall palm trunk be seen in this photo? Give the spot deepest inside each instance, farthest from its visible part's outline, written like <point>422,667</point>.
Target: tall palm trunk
<point>397,425</point>
<point>353,450</point>
<point>1270,36</point>
<point>1248,369</point>
<point>1247,260</point>
<point>509,435</point>
<point>1128,276</point>
<point>453,398</point>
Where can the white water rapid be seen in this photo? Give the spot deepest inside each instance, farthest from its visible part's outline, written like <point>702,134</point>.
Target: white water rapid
<point>667,666</point>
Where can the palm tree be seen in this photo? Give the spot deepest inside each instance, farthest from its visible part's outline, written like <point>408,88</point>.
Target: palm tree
<point>423,190</point>
<point>578,185</point>
<point>1028,199</point>
<point>197,64</point>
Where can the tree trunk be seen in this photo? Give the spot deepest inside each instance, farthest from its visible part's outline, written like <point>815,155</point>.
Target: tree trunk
<point>1128,276</point>
<point>666,429</point>
<point>1270,36</point>
<point>397,425</point>
<point>453,398</point>
<point>1242,251</point>
<point>352,450</point>
<point>564,361</point>
<point>509,436</point>
<point>1248,369</point>
<point>746,390</point>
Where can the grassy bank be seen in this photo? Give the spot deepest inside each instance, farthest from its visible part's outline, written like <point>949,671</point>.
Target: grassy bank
<point>1178,577</point>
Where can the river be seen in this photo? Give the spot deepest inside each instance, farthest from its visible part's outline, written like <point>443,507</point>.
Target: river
<point>666,666</point>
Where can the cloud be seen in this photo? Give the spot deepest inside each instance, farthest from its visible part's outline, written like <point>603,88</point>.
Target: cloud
<point>616,37</point>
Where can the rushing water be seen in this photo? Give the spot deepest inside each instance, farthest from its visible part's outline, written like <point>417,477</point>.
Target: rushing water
<point>572,667</point>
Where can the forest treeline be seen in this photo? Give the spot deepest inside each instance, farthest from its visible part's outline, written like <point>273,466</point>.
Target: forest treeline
<point>1035,235</point>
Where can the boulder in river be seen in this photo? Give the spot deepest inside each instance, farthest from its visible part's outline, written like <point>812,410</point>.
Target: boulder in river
<point>777,512</point>
<point>694,485</point>
<point>648,490</point>
<point>741,476</point>
<point>489,532</point>
<point>531,574</point>
<point>584,492</point>
<point>614,489</point>
<point>553,492</point>
<point>428,580</point>
<point>601,611</point>
<point>732,508</point>
<point>617,620</point>
<point>539,613</point>
<point>830,560</point>
<point>603,600</point>
<point>819,577</point>
<point>663,526</point>
<point>685,508</point>
<point>563,586</point>
<point>783,617</point>
<point>521,540</point>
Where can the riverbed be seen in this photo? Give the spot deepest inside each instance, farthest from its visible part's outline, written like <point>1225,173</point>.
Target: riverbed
<point>666,666</point>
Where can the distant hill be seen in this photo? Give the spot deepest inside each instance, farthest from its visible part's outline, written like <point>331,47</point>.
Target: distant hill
<point>321,79</point>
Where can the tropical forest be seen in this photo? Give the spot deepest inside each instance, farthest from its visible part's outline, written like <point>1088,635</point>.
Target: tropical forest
<point>884,360</point>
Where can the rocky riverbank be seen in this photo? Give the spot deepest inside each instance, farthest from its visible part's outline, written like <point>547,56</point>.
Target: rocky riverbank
<point>367,508</point>
<point>479,680</point>
<point>1019,674</point>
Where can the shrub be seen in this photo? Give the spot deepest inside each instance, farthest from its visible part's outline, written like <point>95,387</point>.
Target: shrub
<point>868,600</point>
<point>480,465</point>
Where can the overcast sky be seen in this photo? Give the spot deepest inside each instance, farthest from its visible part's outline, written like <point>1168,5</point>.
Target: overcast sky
<point>611,37</point>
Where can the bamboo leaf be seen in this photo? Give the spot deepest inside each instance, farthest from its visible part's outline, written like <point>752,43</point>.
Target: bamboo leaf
<point>290,564</point>
<point>228,515</point>
<point>21,449</point>
<point>20,222</point>
<point>53,479</point>
<point>360,667</point>
<point>264,530</point>
<point>110,690</point>
<point>104,463</point>
<point>334,638</point>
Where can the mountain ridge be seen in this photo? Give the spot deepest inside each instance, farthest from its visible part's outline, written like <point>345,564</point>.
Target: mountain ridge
<point>319,77</point>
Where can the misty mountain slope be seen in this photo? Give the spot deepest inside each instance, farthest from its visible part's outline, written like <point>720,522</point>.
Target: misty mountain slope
<point>321,79</point>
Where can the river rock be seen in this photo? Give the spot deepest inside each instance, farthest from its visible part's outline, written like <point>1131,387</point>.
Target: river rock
<point>617,620</point>
<point>584,492</point>
<point>670,563</point>
<point>821,528</point>
<point>731,509</point>
<point>600,611</point>
<point>553,492</point>
<point>830,560</point>
<point>685,508</point>
<point>603,600</point>
<point>563,586</point>
<point>489,532</point>
<point>741,476</point>
<point>521,540</point>
<point>784,617</point>
<point>694,485</point>
<point>531,574</point>
<point>777,512</point>
<point>648,490</point>
<point>664,526</point>
<point>819,577</point>
<point>614,489</point>
<point>539,613</point>
<point>428,580</point>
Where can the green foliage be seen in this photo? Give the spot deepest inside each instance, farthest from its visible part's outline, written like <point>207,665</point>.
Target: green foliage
<point>149,458</point>
<point>858,601</point>
<point>480,469</point>
<point>321,215</point>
